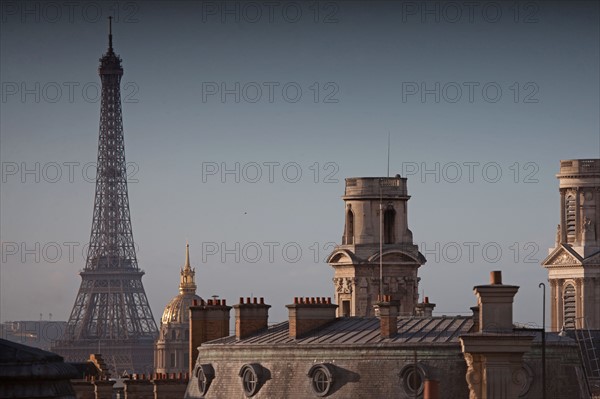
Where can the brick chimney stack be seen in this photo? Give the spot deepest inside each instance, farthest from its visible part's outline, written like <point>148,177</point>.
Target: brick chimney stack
<point>307,314</point>
<point>208,321</point>
<point>424,309</point>
<point>388,316</point>
<point>251,316</point>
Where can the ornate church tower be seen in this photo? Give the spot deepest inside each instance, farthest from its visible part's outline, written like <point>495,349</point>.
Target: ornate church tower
<point>574,263</point>
<point>172,350</point>
<point>375,234</point>
<point>111,314</point>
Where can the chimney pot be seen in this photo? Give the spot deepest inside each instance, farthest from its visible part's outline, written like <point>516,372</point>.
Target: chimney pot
<point>224,302</point>
<point>251,319</point>
<point>303,319</point>
<point>426,299</point>
<point>329,300</point>
<point>431,389</point>
<point>496,277</point>
<point>388,318</point>
<point>495,302</point>
<point>296,300</point>
<point>248,300</point>
<point>241,300</point>
<point>262,300</point>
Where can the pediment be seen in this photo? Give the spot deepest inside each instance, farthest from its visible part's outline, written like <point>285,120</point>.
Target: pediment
<point>395,256</point>
<point>563,255</point>
<point>342,256</point>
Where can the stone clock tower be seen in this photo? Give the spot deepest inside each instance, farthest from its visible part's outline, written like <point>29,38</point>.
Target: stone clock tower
<point>376,219</point>
<point>574,262</point>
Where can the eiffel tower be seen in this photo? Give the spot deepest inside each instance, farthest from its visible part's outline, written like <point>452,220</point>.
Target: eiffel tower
<point>111,315</point>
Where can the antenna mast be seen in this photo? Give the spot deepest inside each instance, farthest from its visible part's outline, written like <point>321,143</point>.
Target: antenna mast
<point>380,242</point>
<point>388,159</point>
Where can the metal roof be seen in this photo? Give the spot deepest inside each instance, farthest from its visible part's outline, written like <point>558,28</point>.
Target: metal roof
<point>363,330</point>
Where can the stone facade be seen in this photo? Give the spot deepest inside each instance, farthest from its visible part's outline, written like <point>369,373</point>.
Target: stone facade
<point>574,263</point>
<point>360,372</point>
<point>376,229</point>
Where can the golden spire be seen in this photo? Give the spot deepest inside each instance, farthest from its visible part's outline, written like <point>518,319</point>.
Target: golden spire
<point>187,283</point>
<point>187,256</point>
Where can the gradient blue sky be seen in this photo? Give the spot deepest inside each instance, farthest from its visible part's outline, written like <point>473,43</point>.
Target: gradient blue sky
<point>371,53</point>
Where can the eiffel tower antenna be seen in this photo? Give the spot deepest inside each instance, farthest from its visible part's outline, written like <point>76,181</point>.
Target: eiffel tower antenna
<point>111,306</point>
<point>110,47</point>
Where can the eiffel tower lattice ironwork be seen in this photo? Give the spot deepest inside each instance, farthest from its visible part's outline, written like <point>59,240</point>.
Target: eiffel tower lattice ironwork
<point>111,314</point>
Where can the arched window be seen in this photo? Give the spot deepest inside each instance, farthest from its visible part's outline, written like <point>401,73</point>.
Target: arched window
<point>389,226</point>
<point>172,360</point>
<point>321,378</point>
<point>570,217</point>
<point>251,378</point>
<point>205,373</point>
<point>349,236</point>
<point>173,335</point>
<point>569,307</point>
<point>413,377</point>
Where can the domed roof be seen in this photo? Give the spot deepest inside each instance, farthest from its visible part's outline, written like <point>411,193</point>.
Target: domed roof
<point>177,309</point>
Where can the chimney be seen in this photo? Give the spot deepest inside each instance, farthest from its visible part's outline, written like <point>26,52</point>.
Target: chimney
<point>493,350</point>
<point>307,314</point>
<point>250,317</point>
<point>388,316</point>
<point>475,310</point>
<point>208,321</point>
<point>431,389</point>
<point>495,302</point>
<point>425,309</point>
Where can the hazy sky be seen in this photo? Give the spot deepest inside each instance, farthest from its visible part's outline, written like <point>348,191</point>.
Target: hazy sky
<point>291,98</point>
